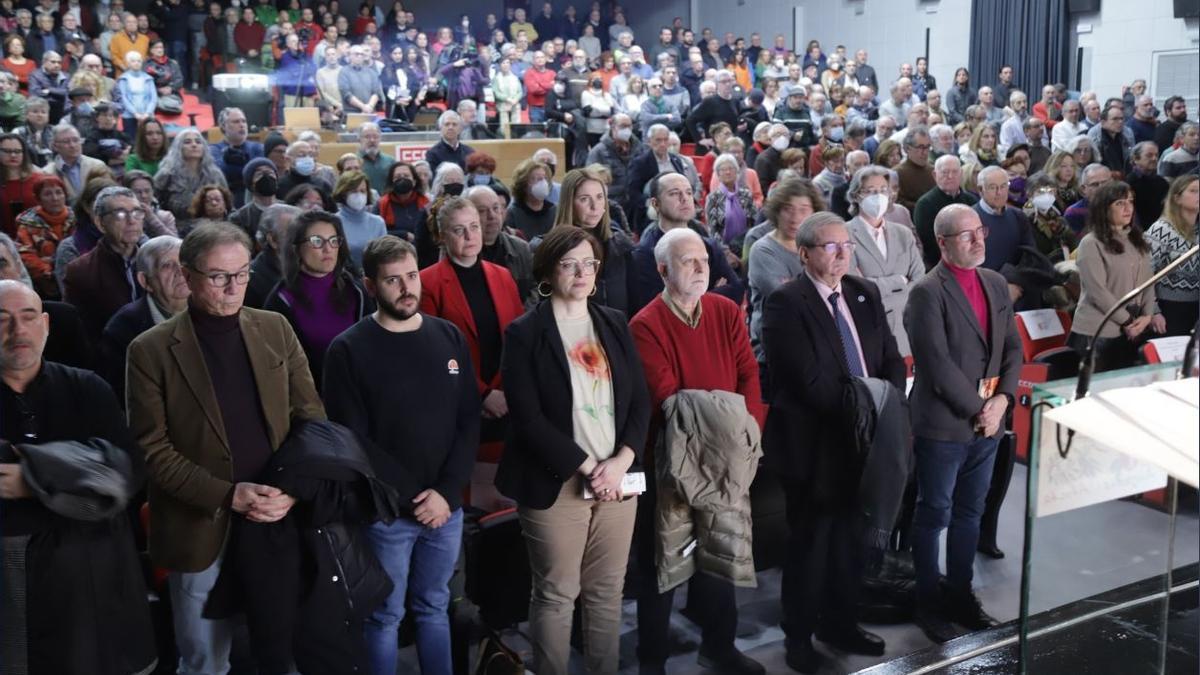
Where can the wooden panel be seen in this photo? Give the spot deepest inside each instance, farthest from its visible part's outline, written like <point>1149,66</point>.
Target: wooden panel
<point>508,154</point>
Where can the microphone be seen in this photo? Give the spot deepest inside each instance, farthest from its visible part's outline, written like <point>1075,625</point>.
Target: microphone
<point>1087,364</point>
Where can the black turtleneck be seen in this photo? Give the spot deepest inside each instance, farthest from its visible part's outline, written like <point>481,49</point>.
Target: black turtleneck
<point>232,377</point>
<point>483,313</point>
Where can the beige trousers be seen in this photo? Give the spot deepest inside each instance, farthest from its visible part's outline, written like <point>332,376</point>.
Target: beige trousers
<point>578,546</point>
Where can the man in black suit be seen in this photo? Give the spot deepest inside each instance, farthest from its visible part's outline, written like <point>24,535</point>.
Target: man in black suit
<point>967,357</point>
<point>821,330</point>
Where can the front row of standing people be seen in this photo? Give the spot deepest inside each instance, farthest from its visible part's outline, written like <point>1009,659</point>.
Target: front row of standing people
<point>214,391</point>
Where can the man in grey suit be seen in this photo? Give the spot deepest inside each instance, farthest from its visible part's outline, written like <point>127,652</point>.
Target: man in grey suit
<point>967,357</point>
<point>885,253</point>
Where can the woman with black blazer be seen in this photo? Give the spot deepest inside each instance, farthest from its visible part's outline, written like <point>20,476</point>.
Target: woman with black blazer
<point>578,414</point>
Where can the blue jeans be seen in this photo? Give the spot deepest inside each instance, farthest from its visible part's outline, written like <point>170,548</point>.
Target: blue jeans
<point>952,485</point>
<point>203,644</point>
<point>420,562</point>
<point>537,114</point>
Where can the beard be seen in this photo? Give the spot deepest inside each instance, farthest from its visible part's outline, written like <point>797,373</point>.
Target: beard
<point>395,310</point>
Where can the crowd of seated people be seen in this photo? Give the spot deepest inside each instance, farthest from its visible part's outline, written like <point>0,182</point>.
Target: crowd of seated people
<point>298,365</point>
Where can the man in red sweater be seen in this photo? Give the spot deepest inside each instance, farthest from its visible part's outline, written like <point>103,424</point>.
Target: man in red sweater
<point>539,80</point>
<point>310,33</point>
<point>689,339</point>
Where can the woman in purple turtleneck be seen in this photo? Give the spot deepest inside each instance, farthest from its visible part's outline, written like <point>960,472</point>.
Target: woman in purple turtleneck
<point>319,293</point>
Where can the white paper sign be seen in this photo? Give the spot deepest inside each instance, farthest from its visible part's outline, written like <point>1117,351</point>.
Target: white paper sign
<point>1170,349</point>
<point>1041,323</point>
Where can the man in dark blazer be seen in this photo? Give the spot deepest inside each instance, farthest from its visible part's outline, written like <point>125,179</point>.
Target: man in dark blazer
<point>821,330</point>
<point>967,357</point>
<point>212,392</point>
<point>449,148</point>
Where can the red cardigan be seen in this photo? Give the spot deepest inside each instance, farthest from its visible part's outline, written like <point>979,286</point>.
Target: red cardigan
<point>442,296</point>
<point>714,356</point>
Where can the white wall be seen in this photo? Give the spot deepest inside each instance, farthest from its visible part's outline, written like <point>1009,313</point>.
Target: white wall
<point>892,31</point>
<point>1121,40</point>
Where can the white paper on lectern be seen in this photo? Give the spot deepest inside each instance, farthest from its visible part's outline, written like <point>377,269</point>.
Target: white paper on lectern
<point>1158,425</point>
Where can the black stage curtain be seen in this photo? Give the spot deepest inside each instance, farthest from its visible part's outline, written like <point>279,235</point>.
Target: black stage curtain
<point>1032,36</point>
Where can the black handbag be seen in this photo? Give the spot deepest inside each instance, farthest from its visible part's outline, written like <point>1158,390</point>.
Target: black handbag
<point>497,658</point>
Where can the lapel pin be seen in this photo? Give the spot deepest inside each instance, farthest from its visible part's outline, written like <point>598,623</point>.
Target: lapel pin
<point>861,299</point>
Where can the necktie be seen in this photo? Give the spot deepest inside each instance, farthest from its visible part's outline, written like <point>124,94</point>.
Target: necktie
<point>852,362</point>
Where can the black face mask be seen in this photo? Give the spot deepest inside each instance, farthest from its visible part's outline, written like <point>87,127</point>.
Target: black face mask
<point>453,189</point>
<point>266,185</point>
<point>402,186</point>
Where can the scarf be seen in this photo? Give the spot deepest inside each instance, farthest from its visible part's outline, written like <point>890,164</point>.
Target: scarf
<point>735,216</point>
<point>660,105</point>
<point>57,223</point>
<point>390,200</point>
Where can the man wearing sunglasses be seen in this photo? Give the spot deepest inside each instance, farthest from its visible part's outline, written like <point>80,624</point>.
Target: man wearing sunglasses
<point>967,357</point>
<point>211,393</point>
<point>823,331</point>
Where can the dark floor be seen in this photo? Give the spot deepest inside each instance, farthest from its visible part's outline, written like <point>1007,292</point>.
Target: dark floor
<point>1076,555</point>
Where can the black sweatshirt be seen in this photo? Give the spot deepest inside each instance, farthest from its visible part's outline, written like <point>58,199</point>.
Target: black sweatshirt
<point>412,400</point>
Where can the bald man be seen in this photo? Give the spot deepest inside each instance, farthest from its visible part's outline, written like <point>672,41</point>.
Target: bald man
<point>72,440</point>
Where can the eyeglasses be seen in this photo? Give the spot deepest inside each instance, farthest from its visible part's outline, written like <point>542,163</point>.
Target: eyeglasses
<point>318,242</point>
<point>922,148</point>
<point>573,267</point>
<point>12,152</point>
<point>969,236</point>
<point>222,279</point>
<point>833,247</point>
<point>121,215</point>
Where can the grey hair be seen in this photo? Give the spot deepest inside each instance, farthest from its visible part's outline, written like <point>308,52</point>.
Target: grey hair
<point>724,159</point>
<point>1179,134</point>
<point>272,220</point>
<point>110,192</point>
<point>940,130</point>
<point>439,176</point>
<point>6,76</point>
<point>11,246</point>
<point>725,75</point>
<point>910,139</point>
<point>807,235</point>
<point>36,102</point>
<point>151,253</point>
<point>854,191</point>
<point>988,171</point>
<point>1145,97</point>
<point>479,190</point>
<point>225,113</point>
<point>1140,148</point>
<point>49,53</point>
<point>448,115</point>
<point>466,104</point>
<point>546,151</point>
<point>666,243</point>
<point>365,126</point>
<point>309,136</point>
<point>1094,167</point>
<point>62,128</point>
<point>173,163</point>
<point>946,219</point>
<point>944,160</point>
<point>656,129</point>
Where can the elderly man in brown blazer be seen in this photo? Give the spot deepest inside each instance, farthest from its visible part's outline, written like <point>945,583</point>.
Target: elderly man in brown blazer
<point>211,393</point>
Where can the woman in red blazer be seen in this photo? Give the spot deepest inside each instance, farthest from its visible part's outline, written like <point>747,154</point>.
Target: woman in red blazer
<point>477,296</point>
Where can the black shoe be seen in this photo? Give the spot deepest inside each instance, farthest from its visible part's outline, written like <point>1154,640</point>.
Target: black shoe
<point>802,657</point>
<point>854,641</point>
<point>935,626</point>
<point>729,661</point>
<point>991,551</point>
<point>966,611</point>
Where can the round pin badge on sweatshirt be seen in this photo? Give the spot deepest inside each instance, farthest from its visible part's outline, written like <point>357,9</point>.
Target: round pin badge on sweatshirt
<point>452,366</point>
<point>861,299</point>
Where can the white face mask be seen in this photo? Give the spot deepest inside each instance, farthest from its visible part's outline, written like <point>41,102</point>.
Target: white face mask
<point>305,165</point>
<point>624,135</point>
<point>781,143</point>
<point>356,201</point>
<point>540,190</point>
<point>1043,202</point>
<point>874,206</point>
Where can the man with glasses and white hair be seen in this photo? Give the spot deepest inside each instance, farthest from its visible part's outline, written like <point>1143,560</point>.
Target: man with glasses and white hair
<point>104,280</point>
<point>449,148</point>
<point>212,393</point>
<point>822,331</point>
<point>1092,177</point>
<point>359,83</point>
<point>1008,232</point>
<point>967,357</point>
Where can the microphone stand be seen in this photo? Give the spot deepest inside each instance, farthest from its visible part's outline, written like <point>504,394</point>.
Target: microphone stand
<point>1088,363</point>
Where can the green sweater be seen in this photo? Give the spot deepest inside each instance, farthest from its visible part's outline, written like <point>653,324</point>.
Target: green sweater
<point>12,106</point>
<point>134,163</point>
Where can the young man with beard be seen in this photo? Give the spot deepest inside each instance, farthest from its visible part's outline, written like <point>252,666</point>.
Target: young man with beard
<point>424,449</point>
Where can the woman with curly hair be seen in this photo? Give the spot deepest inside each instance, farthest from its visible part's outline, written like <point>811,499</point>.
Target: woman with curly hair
<point>211,202</point>
<point>187,167</point>
<point>531,214</point>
